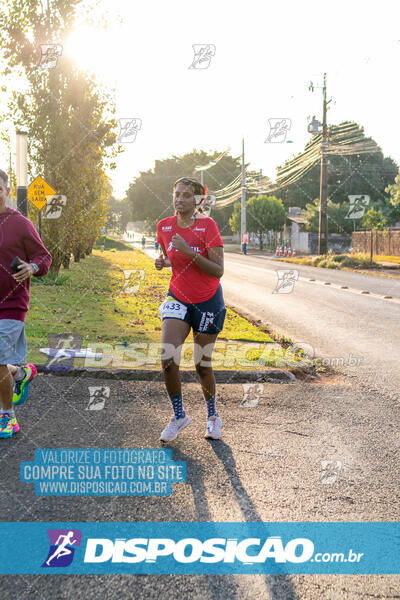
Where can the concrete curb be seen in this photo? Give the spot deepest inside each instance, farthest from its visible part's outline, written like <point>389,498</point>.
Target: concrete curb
<point>269,375</point>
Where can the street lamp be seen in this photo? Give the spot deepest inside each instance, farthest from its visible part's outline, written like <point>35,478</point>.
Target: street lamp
<point>204,168</point>
<point>212,163</point>
<point>22,172</point>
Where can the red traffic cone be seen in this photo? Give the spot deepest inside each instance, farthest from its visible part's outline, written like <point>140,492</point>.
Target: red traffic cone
<point>294,252</point>
<point>289,252</point>
<point>285,251</point>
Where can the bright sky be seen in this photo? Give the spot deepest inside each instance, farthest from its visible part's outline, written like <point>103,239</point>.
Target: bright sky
<point>266,54</point>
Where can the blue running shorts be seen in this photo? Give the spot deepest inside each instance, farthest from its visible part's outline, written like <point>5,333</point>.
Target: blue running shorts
<point>203,317</point>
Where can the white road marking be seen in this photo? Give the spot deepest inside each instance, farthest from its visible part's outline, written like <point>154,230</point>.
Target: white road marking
<point>324,283</point>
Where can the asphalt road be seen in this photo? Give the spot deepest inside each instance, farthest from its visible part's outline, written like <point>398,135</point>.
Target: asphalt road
<point>356,333</point>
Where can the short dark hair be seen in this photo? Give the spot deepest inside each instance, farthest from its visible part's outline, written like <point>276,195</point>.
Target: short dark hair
<point>4,176</point>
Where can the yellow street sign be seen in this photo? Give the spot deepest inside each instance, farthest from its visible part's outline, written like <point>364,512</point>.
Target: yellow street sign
<point>37,192</point>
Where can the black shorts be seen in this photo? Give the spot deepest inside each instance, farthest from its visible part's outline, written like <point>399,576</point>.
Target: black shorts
<point>203,317</point>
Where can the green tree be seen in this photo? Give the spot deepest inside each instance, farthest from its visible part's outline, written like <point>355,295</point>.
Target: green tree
<point>394,191</point>
<point>375,221</point>
<point>348,174</point>
<point>119,213</point>
<point>337,221</point>
<point>150,195</point>
<point>263,214</point>
<point>69,122</point>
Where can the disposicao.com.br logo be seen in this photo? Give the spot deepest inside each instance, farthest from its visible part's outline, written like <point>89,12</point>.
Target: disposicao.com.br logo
<point>190,550</point>
<point>200,547</point>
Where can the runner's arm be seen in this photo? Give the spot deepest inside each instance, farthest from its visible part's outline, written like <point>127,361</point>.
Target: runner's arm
<point>162,261</point>
<point>213,265</point>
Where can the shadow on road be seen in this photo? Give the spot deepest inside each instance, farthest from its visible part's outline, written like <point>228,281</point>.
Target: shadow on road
<point>221,586</point>
<point>279,586</point>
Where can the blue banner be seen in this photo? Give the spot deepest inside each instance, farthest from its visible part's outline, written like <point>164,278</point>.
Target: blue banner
<point>103,472</point>
<point>199,548</point>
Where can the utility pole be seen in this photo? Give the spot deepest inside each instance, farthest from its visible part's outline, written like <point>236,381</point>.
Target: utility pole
<point>323,190</point>
<point>243,225</point>
<point>22,171</point>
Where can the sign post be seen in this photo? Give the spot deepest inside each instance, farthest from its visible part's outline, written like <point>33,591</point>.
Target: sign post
<point>38,191</point>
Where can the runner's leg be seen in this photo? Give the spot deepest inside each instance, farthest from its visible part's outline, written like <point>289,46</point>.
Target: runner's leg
<point>6,388</point>
<point>174,332</point>
<point>204,344</point>
<point>13,370</point>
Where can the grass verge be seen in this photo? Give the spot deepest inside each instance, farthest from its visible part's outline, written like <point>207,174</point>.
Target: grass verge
<point>334,261</point>
<point>116,313</point>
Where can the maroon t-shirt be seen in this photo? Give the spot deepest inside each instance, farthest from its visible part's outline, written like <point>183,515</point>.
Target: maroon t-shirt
<point>18,237</point>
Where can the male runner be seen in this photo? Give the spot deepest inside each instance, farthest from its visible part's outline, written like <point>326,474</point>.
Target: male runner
<point>18,238</point>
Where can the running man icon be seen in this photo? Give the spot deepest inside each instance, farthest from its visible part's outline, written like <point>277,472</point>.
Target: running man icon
<point>62,549</point>
<point>62,542</point>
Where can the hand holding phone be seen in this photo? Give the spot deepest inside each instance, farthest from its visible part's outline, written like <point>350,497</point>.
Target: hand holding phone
<point>15,264</point>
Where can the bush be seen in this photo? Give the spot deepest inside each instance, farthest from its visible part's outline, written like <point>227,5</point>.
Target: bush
<point>51,279</point>
<point>322,262</point>
<point>339,258</point>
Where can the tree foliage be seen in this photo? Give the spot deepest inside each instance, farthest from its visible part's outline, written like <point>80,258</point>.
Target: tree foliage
<point>71,132</point>
<point>394,191</point>
<point>337,222</point>
<point>150,195</point>
<point>352,174</point>
<point>374,219</point>
<point>263,214</point>
<point>119,213</point>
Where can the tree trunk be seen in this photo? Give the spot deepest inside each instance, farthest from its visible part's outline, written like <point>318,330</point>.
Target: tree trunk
<point>77,255</point>
<point>261,240</point>
<point>66,261</point>
<point>55,267</point>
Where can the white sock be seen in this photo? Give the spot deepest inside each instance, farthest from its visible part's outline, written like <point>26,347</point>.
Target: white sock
<point>8,411</point>
<point>20,374</point>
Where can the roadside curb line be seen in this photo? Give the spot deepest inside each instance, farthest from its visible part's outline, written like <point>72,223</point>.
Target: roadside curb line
<point>273,375</point>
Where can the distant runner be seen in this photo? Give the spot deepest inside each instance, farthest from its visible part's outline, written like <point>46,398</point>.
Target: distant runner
<point>245,241</point>
<point>191,244</point>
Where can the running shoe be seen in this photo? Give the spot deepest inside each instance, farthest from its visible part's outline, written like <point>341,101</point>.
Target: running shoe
<point>8,426</point>
<point>214,428</point>
<point>174,428</point>
<point>21,388</point>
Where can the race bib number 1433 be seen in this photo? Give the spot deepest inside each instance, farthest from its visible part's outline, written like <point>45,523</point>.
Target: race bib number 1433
<point>172,308</point>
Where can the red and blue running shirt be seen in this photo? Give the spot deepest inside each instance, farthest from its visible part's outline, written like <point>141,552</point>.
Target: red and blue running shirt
<point>189,283</point>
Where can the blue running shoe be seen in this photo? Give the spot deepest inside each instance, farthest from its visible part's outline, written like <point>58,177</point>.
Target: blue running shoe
<point>21,388</point>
